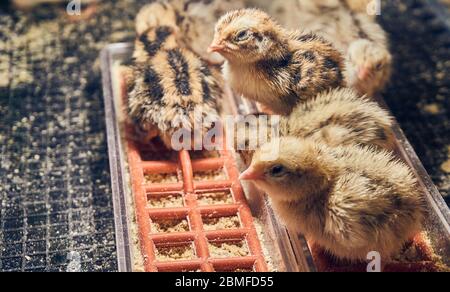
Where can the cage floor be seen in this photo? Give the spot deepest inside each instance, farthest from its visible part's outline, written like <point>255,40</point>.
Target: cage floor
<point>55,199</point>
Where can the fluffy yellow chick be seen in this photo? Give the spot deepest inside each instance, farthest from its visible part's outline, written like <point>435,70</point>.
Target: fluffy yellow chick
<point>271,65</point>
<point>170,88</point>
<point>357,35</point>
<point>349,200</point>
<point>337,117</point>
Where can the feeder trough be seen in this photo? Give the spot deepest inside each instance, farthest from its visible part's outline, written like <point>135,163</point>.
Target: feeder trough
<point>187,211</point>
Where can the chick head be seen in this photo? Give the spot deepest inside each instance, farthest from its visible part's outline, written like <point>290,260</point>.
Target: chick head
<point>245,35</point>
<point>299,171</point>
<point>369,64</point>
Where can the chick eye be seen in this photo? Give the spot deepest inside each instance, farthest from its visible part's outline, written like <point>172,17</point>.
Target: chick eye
<point>242,35</point>
<point>379,66</point>
<point>277,171</point>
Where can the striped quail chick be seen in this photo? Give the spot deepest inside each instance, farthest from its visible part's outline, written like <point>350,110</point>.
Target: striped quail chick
<point>337,118</point>
<point>271,65</point>
<point>358,36</point>
<point>349,200</point>
<point>170,88</point>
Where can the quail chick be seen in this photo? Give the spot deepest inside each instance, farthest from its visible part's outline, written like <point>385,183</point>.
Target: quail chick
<point>368,66</point>
<point>349,200</point>
<point>271,65</point>
<point>358,36</point>
<point>342,117</point>
<point>170,88</point>
<point>196,20</point>
<point>157,14</point>
<point>337,117</point>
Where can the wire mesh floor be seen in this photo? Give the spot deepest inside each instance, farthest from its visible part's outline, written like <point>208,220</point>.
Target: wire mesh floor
<point>55,199</point>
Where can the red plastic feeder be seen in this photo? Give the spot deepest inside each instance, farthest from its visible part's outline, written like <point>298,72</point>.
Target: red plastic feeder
<point>185,207</point>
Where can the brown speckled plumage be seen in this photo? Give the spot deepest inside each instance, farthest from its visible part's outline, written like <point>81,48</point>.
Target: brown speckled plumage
<point>347,25</point>
<point>338,117</point>
<point>273,66</point>
<point>349,200</point>
<point>342,117</point>
<point>171,87</point>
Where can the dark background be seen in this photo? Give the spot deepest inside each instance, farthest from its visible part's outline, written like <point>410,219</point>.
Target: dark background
<point>55,196</point>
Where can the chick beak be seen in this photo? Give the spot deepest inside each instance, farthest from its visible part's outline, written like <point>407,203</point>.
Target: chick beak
<point>250,174</point>
<point>363,73</point>
<point>216,47</point>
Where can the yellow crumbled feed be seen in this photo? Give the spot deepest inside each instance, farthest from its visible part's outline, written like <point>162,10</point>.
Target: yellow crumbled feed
<point>228,249</point>
<point>217,198</point>
<point>170,201</point>
<point>175,253</point>
<point>221,223</point>
<point>161,178</point>
<point>169,226</point>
